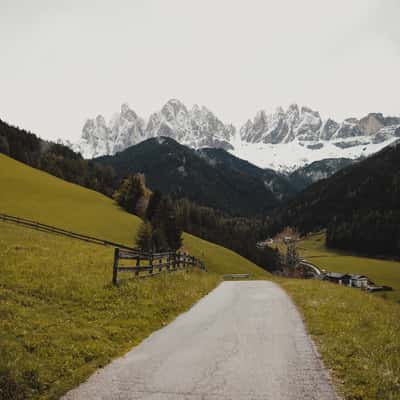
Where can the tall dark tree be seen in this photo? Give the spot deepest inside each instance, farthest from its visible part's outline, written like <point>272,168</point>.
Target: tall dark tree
<point>130,192</point>
<point>144,237</point>
<point>154,203</point>
<point>164,219</point>
<point>4,146</point>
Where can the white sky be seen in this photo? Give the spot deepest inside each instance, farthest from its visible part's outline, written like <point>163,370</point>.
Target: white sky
<point>64,61</point>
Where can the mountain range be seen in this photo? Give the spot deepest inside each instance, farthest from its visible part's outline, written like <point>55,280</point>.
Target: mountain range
<point>283,140</point>
<point>208,176</point>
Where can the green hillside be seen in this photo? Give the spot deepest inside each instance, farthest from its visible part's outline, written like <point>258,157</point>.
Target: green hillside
<point>33,194</point>
<point>61,318</point>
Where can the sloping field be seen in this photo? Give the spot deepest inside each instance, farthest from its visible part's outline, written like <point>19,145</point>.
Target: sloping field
<point>33,194</point>
<point>60,317</point>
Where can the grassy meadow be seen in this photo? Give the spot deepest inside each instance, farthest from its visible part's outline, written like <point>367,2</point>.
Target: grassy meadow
<point>357,336</point>
<point>60,318</point>
<point>381,272</point>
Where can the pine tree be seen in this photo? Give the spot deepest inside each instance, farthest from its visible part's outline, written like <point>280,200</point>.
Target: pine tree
<point>173,233</point>
<point>165,220</point>
<point>144,237</point>
<point>4,146</point>
<point>130,192</point>
<point>154,203</point>
<point>159,241</point>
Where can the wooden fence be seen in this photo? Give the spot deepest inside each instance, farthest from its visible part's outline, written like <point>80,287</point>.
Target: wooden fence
<point>152,263</point>
<point>27,223</point>
<point>144,262</point>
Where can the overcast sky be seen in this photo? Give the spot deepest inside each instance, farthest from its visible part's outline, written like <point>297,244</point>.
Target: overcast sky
<point>64,61</point>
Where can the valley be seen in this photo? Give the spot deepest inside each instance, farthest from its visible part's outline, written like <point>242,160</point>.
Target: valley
<point>47,290</point>
<point>200,200</point>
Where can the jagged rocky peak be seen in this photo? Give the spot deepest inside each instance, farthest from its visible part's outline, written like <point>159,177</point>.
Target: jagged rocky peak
<point>282,126</point>
<point>328,129</point>
<point>174,110</point>
<point>197,128</point>
<point>281,140</point>
<point>95,129</point>
<point>306,125</point>
<point>127,113</point>
<point>372,123</point>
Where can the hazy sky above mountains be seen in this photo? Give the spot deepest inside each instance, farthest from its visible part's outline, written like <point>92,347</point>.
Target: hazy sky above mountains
<point>65,61</point>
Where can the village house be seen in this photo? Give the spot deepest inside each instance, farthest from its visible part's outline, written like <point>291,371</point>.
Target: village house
<point>337,277</point>
<point>359,281</point>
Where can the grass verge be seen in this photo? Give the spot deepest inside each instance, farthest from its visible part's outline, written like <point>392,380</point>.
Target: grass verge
<point>61,318</point>
<point>357,336</point>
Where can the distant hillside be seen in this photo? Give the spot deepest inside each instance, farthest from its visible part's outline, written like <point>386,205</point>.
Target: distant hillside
<point>314,172</point>
<point>360,205</point>
<point>279,184</point>
<point>197,175</point>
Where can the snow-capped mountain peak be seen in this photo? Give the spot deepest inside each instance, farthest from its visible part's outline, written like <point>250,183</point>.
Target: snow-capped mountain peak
<point>282,140</point>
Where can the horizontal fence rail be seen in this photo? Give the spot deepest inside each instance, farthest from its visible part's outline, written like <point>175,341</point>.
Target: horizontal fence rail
<point>143,261</point>
<point>59,231</point>
<point>152,263</point>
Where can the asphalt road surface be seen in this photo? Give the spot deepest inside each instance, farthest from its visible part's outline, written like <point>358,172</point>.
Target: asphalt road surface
<point>245,340</point>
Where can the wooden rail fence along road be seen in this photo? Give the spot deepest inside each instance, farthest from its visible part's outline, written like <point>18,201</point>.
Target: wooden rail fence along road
<point>152,262</point>
<point>27,223</point>
<point>144,261</point>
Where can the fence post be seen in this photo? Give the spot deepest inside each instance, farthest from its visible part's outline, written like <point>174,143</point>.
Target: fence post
<point>151,262</point>
<point>115,266</point>
<point>137,265</point>
<point>169,262</point>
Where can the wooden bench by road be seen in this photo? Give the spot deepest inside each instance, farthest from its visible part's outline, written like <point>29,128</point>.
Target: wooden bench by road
<point>236,276</point>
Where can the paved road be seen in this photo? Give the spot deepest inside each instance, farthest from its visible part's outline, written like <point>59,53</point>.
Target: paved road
<point>245,340</point>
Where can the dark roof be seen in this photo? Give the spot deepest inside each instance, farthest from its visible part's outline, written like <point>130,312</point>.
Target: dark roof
<point>355,276</point>
<point>337,275</point>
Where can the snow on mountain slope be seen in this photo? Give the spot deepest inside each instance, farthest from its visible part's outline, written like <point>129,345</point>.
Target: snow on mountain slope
<point>283,140</point>
<point>290,156</point>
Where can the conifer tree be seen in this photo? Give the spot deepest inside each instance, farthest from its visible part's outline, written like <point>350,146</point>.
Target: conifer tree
<point>154,203</point>
<point>144,237</point>
<point>130,192</point>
